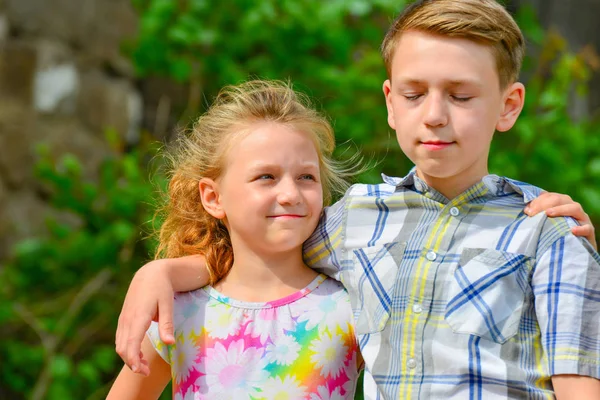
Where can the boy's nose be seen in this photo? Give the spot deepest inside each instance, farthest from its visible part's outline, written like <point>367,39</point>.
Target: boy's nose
<point>436,112</point>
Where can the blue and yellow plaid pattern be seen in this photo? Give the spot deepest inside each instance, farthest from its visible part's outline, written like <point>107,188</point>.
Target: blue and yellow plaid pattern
<point>461,299</point>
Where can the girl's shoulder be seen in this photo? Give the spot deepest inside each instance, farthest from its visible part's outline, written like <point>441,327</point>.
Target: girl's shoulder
<point>330,286</point>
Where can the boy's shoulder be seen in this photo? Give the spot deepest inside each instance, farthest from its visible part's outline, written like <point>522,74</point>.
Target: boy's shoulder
<point>382,189</point>
<point>503,186</point>
<point>549,229</point>
<point>389,186</point>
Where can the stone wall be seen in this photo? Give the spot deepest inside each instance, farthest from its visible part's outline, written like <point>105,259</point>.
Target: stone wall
<point>63,81</point>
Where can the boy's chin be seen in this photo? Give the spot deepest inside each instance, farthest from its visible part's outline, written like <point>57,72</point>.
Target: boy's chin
<point>429,172</point>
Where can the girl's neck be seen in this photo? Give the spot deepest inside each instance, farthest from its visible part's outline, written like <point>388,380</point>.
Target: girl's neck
<point>256,278</point>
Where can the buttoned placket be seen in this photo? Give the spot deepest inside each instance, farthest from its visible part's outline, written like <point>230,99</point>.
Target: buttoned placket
<point>451,216</point>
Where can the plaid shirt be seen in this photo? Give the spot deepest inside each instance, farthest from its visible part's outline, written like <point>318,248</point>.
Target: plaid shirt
<point>461,299</point>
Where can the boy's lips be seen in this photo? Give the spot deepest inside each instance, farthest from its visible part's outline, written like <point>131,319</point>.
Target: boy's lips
<point>436,145</point>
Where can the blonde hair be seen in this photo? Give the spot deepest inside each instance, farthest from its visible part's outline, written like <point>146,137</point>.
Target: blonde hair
<point>187,228</point>
<point>482,21</point>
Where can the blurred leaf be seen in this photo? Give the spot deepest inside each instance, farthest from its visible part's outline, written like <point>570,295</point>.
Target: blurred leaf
<point>61,366</point>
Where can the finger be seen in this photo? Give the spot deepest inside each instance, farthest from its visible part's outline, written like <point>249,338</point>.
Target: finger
<point>548,200</point>
<point>586,231</point>
<point>165,320</point>
<point>573,210</point>
<point>133,342</point>
<point>122,332</point>
<point>144,366</point>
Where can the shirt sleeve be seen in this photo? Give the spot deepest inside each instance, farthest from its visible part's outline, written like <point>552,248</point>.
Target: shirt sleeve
<point>566,287</point>
<point>161,348</point>
<point>323,249</point>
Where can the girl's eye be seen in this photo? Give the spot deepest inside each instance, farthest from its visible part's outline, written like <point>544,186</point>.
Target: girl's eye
<point>308,177</point>
<point>265,177</point>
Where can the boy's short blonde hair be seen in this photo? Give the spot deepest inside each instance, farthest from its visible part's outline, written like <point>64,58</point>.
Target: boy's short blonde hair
<point>483,21</point>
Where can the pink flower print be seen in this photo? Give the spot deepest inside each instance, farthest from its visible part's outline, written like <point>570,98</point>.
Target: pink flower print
<point>227,376</point>
<point>269,324</point>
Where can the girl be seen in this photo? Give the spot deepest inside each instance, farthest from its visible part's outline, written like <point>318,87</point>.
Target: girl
<point>247,189</point>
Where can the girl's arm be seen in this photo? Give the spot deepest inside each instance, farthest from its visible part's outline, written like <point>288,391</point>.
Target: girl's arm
<point>131,386</point>
<point>576,387</point>
<point>150,297</point>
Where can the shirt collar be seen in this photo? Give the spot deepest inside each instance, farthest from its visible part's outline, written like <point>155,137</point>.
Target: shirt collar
<point>497,186</point>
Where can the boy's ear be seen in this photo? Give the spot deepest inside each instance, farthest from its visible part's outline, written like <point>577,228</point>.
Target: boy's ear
<point>211,200</point>
<point>387,92</point>
<point>514,99</point>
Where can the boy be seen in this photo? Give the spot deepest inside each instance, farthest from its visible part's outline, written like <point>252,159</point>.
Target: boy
<point>455,292</point>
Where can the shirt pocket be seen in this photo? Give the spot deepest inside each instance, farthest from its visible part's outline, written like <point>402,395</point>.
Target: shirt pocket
<point>375,274</point>
<point>487,293</point>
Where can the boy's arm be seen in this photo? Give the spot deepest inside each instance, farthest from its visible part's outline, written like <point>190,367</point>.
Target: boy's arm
<point>150,297</point>
<point>565,284</point>
<point>131,386</point>
<point>562,205</point>
<point>567,387</point>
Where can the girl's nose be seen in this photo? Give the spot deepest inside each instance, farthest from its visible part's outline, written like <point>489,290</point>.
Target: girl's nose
<point>289,193</point>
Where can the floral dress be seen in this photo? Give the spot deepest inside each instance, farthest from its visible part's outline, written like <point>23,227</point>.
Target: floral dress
<point>298,347</point>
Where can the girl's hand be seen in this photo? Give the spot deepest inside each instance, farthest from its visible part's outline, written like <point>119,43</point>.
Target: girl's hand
<point>149,296</point>
<point>561,205</point>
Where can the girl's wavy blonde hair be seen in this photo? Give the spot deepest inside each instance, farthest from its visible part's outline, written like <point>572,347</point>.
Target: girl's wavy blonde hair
<point>187,228</point>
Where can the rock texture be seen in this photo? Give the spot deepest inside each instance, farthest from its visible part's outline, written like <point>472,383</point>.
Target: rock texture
<point>63,82</point>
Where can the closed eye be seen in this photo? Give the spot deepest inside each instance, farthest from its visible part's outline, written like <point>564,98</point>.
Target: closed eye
<point>412,97</point>
<point>461,99</point>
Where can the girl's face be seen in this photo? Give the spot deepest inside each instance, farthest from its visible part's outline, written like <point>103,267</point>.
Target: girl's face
<point>270,192</point>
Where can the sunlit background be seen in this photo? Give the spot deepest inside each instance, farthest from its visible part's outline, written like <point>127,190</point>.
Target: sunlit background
<point>90,89</point>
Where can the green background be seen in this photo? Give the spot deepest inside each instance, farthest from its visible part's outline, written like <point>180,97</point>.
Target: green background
<point>58,318</point>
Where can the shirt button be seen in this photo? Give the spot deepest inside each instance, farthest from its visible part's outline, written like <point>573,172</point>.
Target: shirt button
<point>431,256</point>
<point>411,363</point>
<point>454,212</point>
<point>417,309</point>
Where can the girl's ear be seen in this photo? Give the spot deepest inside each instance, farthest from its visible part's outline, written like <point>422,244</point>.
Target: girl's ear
<point>209,195</point>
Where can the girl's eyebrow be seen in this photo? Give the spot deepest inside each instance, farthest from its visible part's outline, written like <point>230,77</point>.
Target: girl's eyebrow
<point>264,165</point>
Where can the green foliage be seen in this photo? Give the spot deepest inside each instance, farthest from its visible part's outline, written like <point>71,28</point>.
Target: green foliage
<point>59,297</point>
<point>328,49</point>
<point>549,146</point>
<point>61,294</point>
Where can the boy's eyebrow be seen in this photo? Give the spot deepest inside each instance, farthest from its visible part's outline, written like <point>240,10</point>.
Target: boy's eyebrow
<point>453,82</point>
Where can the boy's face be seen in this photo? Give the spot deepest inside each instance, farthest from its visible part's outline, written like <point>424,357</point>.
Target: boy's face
<point>444,101</point>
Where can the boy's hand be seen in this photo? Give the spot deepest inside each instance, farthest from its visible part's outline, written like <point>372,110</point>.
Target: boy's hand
<point>150,294</point>
<point>561,205</point>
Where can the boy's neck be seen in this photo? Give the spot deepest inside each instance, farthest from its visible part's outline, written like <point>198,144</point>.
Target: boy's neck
<point>256,278</point>
<point>452,187</point>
